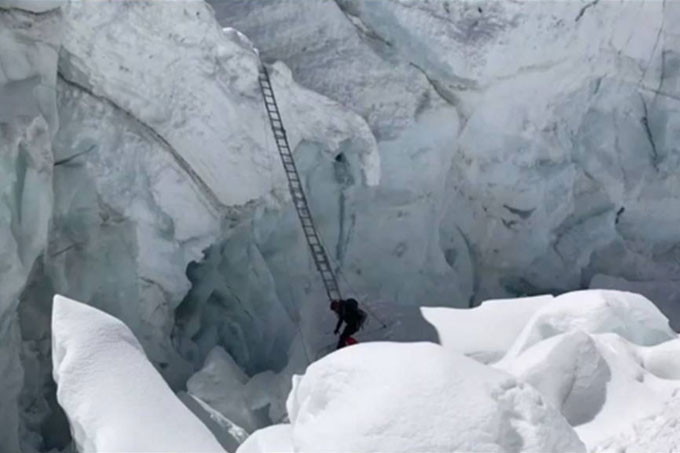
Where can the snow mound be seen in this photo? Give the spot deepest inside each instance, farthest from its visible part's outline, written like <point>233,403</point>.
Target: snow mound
<point>485,332</point>
<point>114,398</point>
<point>419,397</point>
<point>602,383</point>
<point>658,433</point>
<point>570,373</point>
<point>629,315</point>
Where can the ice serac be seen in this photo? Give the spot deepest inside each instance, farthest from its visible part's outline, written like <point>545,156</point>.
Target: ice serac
<point>28,60</point>
<point>604,359</point>
<point>160,156</point>
<point>382,233</point>
<point>114,397</point>
<point>436,401</point>
<point>556,162</point>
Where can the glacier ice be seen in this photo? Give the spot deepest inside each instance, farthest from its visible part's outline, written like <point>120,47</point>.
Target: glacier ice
<point>114,397</point>
<point>28,59</point>
<point>560,156</point>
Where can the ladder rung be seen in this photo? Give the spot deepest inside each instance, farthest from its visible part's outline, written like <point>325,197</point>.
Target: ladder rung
<point>295,186</point>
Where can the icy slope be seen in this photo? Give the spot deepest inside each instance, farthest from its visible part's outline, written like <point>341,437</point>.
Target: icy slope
<point>28,59</point>
<point>114,398</point>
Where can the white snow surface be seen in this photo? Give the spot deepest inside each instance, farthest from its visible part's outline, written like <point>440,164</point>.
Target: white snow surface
<point>404,397</point>
<point>606,361</point>
<point>276,438</point>
<point>115,399</point>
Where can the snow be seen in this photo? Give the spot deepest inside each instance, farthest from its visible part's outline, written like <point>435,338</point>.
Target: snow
<point>227,433</point>
<point>370,398</point>
<point>629,315</point>
<point>275,438</point>
<point>221,384</point>
<point>114,398</point>
<point>487,331</point>
<point>603,358</point>
<point>591,366</point>
<point>657,433</point>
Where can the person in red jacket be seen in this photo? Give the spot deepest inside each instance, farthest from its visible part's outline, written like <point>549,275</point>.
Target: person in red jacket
<point>348,311</point>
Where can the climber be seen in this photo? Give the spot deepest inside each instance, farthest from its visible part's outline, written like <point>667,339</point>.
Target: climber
<point>348,311</point>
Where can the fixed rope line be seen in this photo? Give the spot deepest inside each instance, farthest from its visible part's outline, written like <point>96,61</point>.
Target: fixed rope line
<point>319,255</point>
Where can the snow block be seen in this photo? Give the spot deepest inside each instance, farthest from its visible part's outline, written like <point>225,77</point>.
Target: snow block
<point>405,397</point>
<point>629,315</point>
<point>114,398</point>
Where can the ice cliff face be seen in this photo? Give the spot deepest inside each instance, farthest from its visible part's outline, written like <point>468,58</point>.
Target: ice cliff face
<point>159,154</point>
<point>539,140</point>
<point>29,43</point>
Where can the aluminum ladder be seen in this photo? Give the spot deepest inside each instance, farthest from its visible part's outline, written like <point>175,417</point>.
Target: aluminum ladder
<point>321,262</point>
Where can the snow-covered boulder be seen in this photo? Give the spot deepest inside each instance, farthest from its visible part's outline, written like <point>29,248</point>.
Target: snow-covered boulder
<point>419,397</point>
<point>114,398</point>
<point>658,433</point>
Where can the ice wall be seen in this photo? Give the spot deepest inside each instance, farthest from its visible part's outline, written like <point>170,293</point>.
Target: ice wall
<point>160,155</point>
<point>525,146</point>
<point>29,41</point>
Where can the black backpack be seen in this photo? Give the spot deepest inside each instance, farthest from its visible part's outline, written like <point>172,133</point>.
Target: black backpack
<point>352,306</point>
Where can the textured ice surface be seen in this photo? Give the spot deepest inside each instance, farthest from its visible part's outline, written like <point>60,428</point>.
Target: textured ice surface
<point>114,397</point>
<point>558,122</point>
<point>160,155</point>
<point>28,121</point>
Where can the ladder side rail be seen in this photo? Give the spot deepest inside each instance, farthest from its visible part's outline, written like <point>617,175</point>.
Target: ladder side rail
<point>319,254</point>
